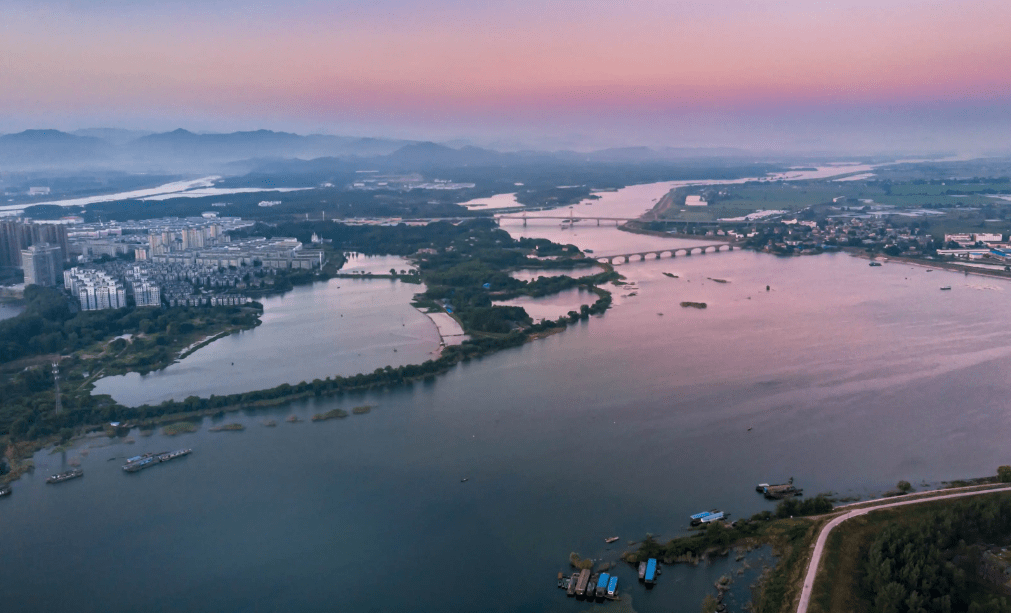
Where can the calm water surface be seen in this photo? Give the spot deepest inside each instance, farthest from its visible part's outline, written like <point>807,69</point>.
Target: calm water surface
<point>340,327</point>
<point>849,377</point>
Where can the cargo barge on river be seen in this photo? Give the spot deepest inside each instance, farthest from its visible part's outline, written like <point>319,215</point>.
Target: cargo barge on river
<point>67,476</point>
<point>147,460</point>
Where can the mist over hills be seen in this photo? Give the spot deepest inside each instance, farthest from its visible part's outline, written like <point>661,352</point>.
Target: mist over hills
<point>182,151</point>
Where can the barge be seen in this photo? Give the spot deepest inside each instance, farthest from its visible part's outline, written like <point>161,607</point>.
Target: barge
<point>612,587</point>
<point>602,585</point>
<point>571,589</point>
<point>651,572</point>
<point>67,476</point>
<point>584,578</point>
<point>148,460</point>
<point>777,492</point>
<point>642,571</point>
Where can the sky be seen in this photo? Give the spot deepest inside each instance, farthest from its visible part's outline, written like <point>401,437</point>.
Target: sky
<point>855,75</point>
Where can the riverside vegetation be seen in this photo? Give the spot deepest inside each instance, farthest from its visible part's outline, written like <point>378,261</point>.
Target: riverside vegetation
<point>465,266</point>
<point>786,529</point>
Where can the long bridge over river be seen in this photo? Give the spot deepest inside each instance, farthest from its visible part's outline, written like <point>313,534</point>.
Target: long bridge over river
<point>568,218</point>
<point>670,251</point>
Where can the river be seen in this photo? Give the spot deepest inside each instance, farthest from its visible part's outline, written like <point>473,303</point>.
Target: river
<point>844,376</point>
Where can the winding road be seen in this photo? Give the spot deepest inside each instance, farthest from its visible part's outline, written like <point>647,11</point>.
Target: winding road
<point>819,546</point>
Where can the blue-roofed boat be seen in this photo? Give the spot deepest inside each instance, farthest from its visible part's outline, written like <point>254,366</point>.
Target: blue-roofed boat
<point>713,517</point>
<point>650,571</point>
<point>700,518</point>
<point>602,584</point>
<point>612,586</point>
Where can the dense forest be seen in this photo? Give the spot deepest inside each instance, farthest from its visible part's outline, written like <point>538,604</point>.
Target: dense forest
<point>936,563</point>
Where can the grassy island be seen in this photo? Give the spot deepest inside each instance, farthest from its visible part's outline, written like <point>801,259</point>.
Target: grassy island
<point>227,428</point>
<point>331,414</point>
<point>180,427</point>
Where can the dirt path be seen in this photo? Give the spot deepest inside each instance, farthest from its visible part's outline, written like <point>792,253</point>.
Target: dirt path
<point>819,547</point>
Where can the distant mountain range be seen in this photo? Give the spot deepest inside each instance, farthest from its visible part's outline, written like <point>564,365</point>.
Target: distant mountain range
<point>239,152</point>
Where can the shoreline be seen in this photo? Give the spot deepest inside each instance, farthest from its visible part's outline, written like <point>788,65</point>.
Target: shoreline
<point>932,264</point>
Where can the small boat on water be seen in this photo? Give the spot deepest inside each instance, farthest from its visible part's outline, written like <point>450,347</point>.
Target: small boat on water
<point>611,539</point>
<point>642,571</point>
<point>875,264</point>
<point>945,287</point>
<point>5,490</point>
<point>67,476</point>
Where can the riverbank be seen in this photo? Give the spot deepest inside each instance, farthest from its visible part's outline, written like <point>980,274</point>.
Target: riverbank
<point>932,264</point>
<point>134,354</point>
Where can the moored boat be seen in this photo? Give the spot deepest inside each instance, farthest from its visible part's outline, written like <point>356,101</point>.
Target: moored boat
<point>611,539</point>
<point>573,581</point>
<point>602,582</point>
<point>642,571</point>
<point>651,571</point>
<point>5,490</point>
<point>65,476</point>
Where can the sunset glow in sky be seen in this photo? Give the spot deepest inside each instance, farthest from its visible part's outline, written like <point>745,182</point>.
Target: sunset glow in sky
<point>756,73</point>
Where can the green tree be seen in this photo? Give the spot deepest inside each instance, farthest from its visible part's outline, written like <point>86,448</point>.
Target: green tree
<point>1004,474</point>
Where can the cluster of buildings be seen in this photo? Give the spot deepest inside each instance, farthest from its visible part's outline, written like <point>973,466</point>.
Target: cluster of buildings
<point>368,180</point>
<point>17,238</point>
<point>149,237</point>
<point>809,237</point>
<point>177,261</point>
<point>95,289</point>
<point>279,253</point>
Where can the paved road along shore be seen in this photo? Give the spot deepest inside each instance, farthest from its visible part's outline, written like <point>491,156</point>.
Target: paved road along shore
<point>819,547</point>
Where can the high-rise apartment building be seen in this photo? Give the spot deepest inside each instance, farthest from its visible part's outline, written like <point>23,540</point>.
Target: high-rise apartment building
<point>42,263</point>
<point>16,236</point>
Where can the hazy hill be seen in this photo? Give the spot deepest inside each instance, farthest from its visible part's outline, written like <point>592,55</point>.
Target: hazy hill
<point>113,136</point>
<point>50,148</point>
